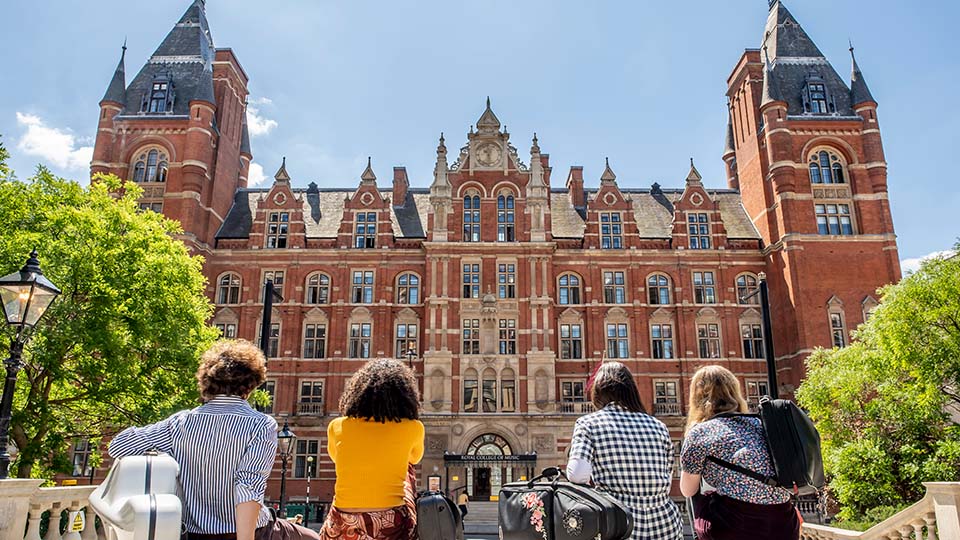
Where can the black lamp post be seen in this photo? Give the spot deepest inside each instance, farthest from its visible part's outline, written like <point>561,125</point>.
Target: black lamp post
<point>306,510</point>
<point>286,442</point>
<point>767,333</point>
<point>26,295</point>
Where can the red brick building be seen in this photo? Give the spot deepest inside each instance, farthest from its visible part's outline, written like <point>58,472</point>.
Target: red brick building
<point>508,284</point>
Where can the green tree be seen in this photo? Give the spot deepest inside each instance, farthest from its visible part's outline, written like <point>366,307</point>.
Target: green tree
<point>122,342</point>
<point>883,404</point>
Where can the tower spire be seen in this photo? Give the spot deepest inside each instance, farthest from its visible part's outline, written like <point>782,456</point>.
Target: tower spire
<point>608,177</point>
<point>117,89</point>
<point>859,92</point>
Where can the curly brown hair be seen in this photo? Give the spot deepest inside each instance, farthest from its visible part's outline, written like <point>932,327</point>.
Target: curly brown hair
<point>232,368</point>
<point>383,389</point>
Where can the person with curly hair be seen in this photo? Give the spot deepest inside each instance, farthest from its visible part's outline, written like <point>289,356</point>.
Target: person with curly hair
<point>224,447</point>
<point>374,446</point>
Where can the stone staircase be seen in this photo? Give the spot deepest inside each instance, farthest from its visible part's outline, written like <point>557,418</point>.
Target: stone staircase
<point>481,519</point>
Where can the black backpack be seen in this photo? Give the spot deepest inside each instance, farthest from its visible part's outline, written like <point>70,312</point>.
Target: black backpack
<point>794,445</point>
<point>438,518</point>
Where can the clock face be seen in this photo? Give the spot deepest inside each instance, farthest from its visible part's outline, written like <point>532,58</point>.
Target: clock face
<point>488,154</point>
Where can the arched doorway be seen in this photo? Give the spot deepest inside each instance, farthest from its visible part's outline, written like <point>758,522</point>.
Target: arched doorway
<point>491,470</point>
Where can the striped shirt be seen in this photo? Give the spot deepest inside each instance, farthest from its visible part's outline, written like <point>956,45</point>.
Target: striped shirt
<point>225,450</point>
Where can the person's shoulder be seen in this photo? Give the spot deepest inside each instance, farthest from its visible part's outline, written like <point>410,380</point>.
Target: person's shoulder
<point>265,420</point>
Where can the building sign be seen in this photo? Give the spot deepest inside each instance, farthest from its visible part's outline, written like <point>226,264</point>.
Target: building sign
<point>480,458</point>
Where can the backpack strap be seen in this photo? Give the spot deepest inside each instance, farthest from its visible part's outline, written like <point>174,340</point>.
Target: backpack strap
<point>768,480</point>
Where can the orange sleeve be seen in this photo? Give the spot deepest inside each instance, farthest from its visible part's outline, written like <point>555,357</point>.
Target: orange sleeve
<point>416,451</point>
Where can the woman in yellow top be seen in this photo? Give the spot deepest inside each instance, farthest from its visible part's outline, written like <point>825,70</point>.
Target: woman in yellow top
<point>374,445</point>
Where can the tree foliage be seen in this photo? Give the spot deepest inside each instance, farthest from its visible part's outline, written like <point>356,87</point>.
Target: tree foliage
<point>122,342</point>
<point>883,405</point>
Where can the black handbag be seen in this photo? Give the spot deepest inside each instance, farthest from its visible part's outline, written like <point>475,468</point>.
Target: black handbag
<point>548,507</point>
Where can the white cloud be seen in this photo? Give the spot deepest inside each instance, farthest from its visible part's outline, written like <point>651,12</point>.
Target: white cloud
<point>912,265</point>
<point>256,176</point>
<point>258,124</point>
<point>57,146</point>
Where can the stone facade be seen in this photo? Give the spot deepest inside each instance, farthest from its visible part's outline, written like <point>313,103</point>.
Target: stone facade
<point>503,291</point>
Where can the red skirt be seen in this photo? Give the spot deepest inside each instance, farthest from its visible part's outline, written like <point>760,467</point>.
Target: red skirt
<point>399,523</point>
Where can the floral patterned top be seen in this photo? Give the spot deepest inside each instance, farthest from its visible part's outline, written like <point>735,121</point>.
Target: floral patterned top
<point>739,441</point>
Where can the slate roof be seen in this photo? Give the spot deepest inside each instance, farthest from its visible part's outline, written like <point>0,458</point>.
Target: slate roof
<point>323,211</point>
<point>186,55</point>
<point>859,92</point>
<point>794,58</point>
<point>116,91</point>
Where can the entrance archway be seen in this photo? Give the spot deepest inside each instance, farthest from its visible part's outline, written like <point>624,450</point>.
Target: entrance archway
<point>489,473</point>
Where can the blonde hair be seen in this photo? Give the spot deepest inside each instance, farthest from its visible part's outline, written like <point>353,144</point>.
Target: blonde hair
<point>713,390</point>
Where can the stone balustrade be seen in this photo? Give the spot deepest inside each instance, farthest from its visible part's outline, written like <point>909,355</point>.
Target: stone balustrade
<point>23,505</point>
<point>936,515</point>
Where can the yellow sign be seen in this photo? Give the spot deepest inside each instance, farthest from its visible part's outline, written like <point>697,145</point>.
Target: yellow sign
<point>69,482</point>
<point>77,522</point>
<point>494,498</point>
<point>523,477</point>
<point>455,478</point>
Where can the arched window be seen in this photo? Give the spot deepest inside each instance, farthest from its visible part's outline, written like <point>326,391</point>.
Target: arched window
<point>318,289</point>
<point>508,391</point>
<point>489,390</point>
<point>408,289</point>
<point>471,398</point>
<point>505,219</point>
<point>228,289</point>
<point>569,292</point>
<point>471,217</point>
<point>151,166</point>
<point>826,168</point>
<point>658,289</point>
<point>747,286</point>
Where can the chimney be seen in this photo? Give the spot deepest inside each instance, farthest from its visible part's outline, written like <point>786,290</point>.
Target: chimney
<point>575,186</point>
<point>400,185</point>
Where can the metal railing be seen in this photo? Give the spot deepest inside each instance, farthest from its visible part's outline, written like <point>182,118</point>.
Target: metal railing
<point>310,409</point>
<point>575,407</point>
<point>667,409</point>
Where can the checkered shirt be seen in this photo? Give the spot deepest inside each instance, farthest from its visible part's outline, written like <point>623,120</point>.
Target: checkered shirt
<point>632,459</point>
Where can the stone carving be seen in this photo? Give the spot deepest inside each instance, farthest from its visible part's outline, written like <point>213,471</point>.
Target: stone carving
<point>457,429</point>
<point>544,444</point>
<point>436,445</point>
<point>520,429</point>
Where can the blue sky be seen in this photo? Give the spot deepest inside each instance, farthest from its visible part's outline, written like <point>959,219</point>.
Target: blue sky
<point>642,82</point>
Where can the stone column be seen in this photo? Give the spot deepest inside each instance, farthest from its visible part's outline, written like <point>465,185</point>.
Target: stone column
<point>14,505</point>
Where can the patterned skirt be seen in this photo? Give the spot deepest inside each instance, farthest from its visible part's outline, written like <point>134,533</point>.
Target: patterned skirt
<point>399,523</point>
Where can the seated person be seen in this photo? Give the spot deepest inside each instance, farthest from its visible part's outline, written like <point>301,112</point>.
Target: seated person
<point>375,445</point>
<point>224,447</point>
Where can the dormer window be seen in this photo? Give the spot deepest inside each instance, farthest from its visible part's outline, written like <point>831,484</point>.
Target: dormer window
<point>816,98</point>
<point>366,231</point>
<point>277,228</point>
<point>159,99</point>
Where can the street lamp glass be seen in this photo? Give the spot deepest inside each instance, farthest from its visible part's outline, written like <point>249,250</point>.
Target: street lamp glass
<point>285,440</point>
<point>26,295</point>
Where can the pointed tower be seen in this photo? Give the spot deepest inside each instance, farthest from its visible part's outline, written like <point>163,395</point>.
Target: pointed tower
<point>804,149</point>
<point>169,130</point>
<point>440,194</point>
